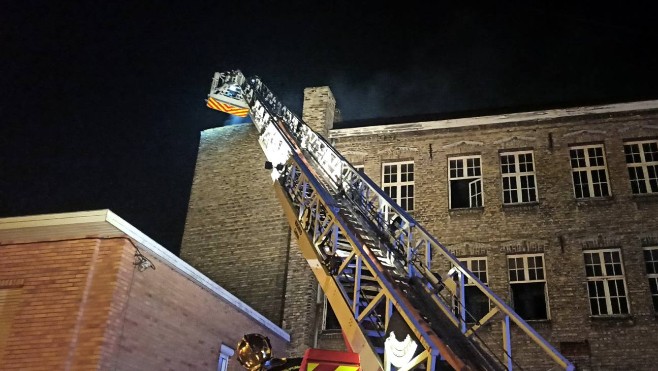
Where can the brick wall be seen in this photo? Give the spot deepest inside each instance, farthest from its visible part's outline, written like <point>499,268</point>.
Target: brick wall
<point>235,232</point>
<point>84,306</point>
<point>66,288</point>
<point>237,235</point>
<point>558,226</point>
<point>168,322</point>
<point>300,312</point>
<point>319,109</point>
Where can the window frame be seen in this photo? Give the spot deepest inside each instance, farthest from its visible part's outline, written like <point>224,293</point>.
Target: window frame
<point>472,185</point>
<point>527,280</point>
<point>326,308</point>
<point>652,274</point>
<point>225,353</point>
<point>606,278</point>
<point>399,184</point>
<point>468,262</point>
<point>517,176</point>
<point>643,164</point>
<point>588,170</point>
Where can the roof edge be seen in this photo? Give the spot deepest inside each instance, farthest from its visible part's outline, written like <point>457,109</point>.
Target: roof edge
<point>44,220</point>
<point>191,272</point>
<point>145,242</point>
<point>496,119</point>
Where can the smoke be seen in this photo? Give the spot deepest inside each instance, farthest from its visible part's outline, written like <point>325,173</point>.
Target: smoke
<point>392,94</point>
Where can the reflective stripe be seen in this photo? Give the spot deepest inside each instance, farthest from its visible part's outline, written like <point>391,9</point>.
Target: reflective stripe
<point>313,366</point>
<point>347,368</point>
<point>221,106</point>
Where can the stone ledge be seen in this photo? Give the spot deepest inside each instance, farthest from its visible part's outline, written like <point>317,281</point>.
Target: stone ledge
<point>466,211</point>
<point>624,319</point>
<point>647,198</point>
<point>594,201</point>
<point>520,207</point>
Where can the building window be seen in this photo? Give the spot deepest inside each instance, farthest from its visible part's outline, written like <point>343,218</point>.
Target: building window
<point>477,303</point>
<point>225,353</point>
<point>642,163</point>
<point>329,319</point>
<point>606,285</point>
<point>528,286</point>
<point>398,183</point>
<point>589,172</point>
<point>360,168</point>
<point>465,176</point>
<point>518,172</point>
<point>651,261</point>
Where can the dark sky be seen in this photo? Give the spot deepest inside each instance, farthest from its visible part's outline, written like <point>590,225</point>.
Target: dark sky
<point>102,102</point>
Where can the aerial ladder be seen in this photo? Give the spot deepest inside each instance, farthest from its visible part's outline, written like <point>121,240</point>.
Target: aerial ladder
<point>372,259</point>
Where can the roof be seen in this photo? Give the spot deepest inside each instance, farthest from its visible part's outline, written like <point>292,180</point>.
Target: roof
<point>106,224</point>
<point>415,123</point>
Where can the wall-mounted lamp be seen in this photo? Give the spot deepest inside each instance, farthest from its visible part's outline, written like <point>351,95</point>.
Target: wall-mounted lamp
<point>142,262</point>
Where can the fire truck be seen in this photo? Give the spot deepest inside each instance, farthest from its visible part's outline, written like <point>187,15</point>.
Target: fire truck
<point>372,259</point>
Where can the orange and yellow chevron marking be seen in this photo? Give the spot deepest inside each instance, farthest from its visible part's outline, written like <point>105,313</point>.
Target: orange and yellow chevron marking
<point>312,366</point>
<point>330,360</point>
<point>232,110</point>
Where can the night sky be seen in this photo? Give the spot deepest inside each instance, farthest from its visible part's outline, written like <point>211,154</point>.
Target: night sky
<point>103,102</point>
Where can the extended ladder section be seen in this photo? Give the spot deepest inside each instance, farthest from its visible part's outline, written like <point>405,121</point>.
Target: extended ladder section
<point>372,259</point>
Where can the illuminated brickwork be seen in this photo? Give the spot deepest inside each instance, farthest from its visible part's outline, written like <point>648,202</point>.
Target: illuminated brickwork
<point>558,228</point>
<point>80,303</point>
<point>549,221</point>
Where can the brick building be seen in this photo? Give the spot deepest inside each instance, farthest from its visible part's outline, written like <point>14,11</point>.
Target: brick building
<point>73,297</point>
<point>557,210</point>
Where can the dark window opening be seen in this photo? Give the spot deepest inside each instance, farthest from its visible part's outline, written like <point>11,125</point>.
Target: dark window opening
<point>465,193</point>
<point>477,304</point>
<point>330,320</point>
<point>529,300</point>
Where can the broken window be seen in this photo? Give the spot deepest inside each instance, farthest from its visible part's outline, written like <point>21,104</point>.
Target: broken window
<point>606,285</point>
<point>651,262</point>
<point>642,164</point>
<point>476,302</point>
<point>398,183</point>
<point>528,286</point>
<point>589,172</point>
<point>465,176</point>
<point>518,173</point>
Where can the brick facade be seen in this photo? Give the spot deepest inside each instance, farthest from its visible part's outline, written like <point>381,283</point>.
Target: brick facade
<point>62,315</point>
<point>229,224</point>
<point>558,227</point>
<point>234,219</point>
<point>84,305</point>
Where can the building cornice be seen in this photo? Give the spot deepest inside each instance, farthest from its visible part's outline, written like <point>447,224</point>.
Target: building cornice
<point>519,117</point>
